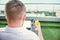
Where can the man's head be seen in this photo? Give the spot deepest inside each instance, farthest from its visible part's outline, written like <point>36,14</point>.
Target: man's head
<point>15,10</point>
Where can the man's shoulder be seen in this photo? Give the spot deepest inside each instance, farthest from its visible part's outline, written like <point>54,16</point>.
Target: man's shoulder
<point>30,32</point>
<point>27,33</point>
<point>2,33</point>
<point>33,35</point>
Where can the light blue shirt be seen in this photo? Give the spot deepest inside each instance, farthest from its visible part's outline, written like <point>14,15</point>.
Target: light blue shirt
<point>18,34</point>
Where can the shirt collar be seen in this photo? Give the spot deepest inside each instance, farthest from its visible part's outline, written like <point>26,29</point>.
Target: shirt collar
<point>15,30</point>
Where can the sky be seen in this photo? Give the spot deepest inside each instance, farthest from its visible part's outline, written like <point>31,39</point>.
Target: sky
<point>34,1</point>
<point>36,6</point>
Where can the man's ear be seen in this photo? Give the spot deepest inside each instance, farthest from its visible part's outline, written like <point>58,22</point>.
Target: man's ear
<point>24,17</point>
<point>5,16</point>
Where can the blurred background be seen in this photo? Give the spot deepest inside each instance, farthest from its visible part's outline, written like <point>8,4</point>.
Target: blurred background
<point>46,11</point>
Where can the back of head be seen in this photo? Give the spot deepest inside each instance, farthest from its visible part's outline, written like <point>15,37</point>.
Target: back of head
<point>15,9</point>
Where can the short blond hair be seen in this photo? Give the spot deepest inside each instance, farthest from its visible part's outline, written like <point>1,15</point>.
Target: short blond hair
<point>14,9</point>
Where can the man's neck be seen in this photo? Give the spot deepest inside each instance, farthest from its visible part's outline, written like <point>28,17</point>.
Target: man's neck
<point>14,25</point>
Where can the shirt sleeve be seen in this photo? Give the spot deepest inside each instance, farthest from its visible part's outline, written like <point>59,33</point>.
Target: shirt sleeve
<point>35,37</point>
